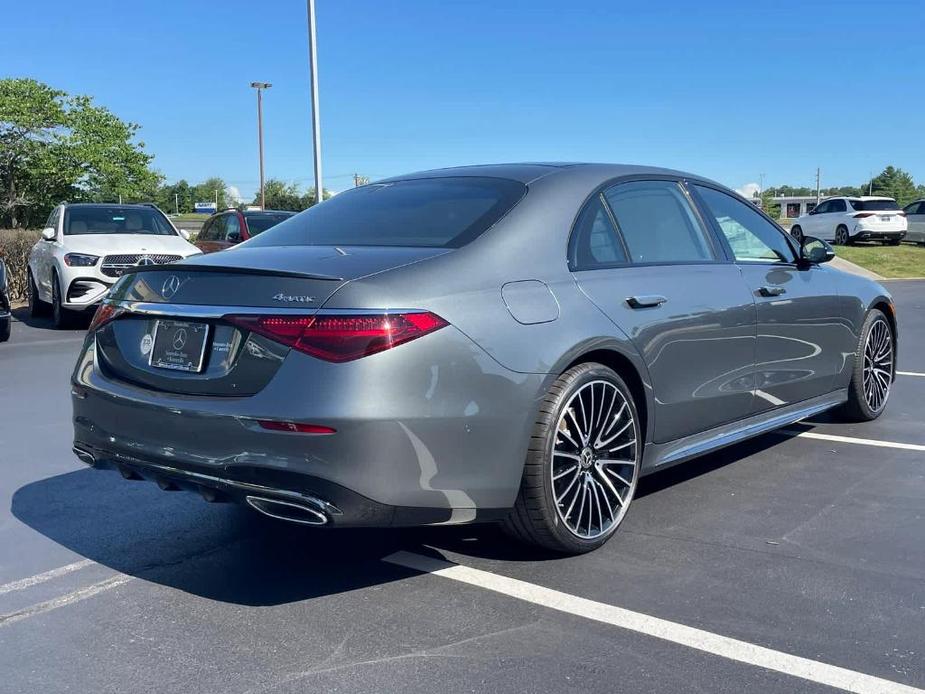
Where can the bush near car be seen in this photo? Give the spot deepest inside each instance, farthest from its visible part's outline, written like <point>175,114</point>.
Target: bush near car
<point>15,245</point>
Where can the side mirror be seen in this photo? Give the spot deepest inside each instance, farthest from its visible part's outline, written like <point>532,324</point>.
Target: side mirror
<point>185,234</point>
<point>815,251</point>
<point>233,237</point>
<point>48,234</point>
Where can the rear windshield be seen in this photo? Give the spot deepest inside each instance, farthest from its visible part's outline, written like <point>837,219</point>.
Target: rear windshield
<point>258,223</point>
<point>873,205</point>
<point>434,213</point>
<point>115,220</point>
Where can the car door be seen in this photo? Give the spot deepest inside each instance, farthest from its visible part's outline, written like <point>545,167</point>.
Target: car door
<point>915,217</point>
<point>801,341</point>
<point>812,226</point>
<point>232,230</point>
<point>45,256</point>
<point>214,234</point>
<point>641,253</point>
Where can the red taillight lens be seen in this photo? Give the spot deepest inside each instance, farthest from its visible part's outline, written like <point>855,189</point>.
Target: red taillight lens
<point>340,338</point>
<point>105,313</point>
<point>863,215</point>
<point>295,427</point>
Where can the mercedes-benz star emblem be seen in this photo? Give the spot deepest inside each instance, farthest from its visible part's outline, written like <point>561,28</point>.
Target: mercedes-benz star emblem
<point>146,260</point>
<point>170,287</point>
<point>179,339</point>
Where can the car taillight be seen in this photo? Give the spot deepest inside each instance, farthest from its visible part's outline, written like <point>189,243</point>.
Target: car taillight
<point>105,313</point>
<point>341,338</point>
<point>863,215</point>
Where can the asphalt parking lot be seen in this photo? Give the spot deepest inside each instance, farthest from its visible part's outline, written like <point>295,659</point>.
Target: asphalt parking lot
<point>793,562</point>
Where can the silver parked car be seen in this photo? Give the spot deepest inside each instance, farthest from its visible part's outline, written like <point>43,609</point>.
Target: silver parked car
<point>915,216</point>
<point>512,342</point>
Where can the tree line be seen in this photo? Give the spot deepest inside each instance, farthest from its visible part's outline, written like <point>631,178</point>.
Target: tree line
<point>56,147</point>
<point>892,182</point>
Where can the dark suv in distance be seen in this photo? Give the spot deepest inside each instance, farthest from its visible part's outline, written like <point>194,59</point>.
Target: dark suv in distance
<point>225,229</point>
<point>6,319</point>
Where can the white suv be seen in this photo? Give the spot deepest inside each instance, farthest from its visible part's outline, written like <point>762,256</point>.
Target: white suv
<point>86,247</point>
<point>846,220</point>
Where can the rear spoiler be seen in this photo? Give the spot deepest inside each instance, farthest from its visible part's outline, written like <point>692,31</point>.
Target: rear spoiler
<point>191,267</point>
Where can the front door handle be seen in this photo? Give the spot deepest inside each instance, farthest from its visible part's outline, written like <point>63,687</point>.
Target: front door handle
<point>771,291</point>
<point>646,300</point>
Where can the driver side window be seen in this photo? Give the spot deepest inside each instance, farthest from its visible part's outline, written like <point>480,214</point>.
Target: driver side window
<point>753,238</point>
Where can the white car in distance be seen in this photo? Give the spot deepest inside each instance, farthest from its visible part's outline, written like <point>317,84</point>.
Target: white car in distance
<point>86,247</point>
<point>844,220</point>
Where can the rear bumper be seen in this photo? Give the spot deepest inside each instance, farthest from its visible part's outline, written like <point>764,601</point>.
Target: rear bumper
<point>323,503</point>
<point>875,235</point>
<point>435,426</point>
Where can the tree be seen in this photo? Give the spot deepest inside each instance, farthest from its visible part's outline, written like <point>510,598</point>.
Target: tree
<point>211,190</point>
<point>894,183</point>
<point>280,195</point>
<point>56,147</point>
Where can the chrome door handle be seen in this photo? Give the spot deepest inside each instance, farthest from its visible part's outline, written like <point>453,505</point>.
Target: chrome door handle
<point>771,291</point>
<point>646,301</point>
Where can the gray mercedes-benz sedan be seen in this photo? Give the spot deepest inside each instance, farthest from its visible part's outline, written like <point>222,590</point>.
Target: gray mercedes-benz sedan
<point>515,343</point>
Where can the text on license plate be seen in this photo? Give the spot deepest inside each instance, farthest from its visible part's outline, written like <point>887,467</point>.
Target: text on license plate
<point>179,345</point>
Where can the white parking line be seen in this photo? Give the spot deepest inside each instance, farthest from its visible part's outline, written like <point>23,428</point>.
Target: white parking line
<point>732,649</point>
<point>851,439</point>
<point>47,576</point>
<point>67,599</point>
<point>910,373</point>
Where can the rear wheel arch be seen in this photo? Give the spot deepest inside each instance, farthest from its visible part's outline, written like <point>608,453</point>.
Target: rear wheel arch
<point>628,371</point>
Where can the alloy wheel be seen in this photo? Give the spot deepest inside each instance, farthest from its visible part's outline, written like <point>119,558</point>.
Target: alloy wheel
<point>594,464</point>
<point>841,237</point>
<point>878,365</point>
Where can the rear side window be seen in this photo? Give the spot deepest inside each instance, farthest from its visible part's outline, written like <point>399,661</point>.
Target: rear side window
<point>435,212</point>
<point>837,206</point>
<point>258,223</point>
<point>874,205</point>
<point>595,243</point>
<point>657,223</point>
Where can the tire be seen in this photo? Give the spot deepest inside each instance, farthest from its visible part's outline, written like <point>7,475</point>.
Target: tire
<point>63,318</point>
<point>37,307</point>
<point>868,399</point>
<point>797,233</point>
<point>537,518</point>
<point>841,236</point>
<point>6,327</point>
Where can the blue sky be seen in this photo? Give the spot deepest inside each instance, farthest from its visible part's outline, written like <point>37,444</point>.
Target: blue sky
<point>729,90</point>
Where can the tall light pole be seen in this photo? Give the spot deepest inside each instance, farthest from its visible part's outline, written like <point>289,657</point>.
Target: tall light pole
<point>260,86</point>
<point>316,123</point>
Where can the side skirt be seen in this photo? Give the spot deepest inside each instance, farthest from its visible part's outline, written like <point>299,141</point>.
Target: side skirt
<point>659,456</point>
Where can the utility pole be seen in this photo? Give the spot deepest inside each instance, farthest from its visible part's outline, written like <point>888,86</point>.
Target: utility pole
<point>216,199</point>
<point>316,122</point>
<point>356,180</point>
<point>260,86</point>
<point>818,196</point>
<point>176,202</point>
<point>760,184</point>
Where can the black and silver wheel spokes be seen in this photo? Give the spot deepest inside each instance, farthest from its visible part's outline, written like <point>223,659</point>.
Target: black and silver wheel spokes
<point>878,365</point>
<point>594,465</point>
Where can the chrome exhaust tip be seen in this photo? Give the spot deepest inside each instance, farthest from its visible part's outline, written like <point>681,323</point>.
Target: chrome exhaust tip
<point>212,495</point>
<point>287,510</point>
<point>128,473</point>
<point>84,456</point>
<point>166,485</point>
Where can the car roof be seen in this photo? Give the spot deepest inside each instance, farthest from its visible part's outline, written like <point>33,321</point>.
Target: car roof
<point>253,212</point>
<point>140,205</point>
<point>528,172</point>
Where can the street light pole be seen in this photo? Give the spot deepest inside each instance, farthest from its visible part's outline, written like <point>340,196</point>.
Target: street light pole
<point>260,86</point>
<point>316,122</point>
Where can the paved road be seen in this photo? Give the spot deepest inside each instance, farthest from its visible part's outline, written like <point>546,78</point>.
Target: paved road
<point>809,547</point>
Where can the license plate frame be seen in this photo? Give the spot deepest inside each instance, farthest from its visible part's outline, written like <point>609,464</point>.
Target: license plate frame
<point>181,354</point>
<point>886,218</point>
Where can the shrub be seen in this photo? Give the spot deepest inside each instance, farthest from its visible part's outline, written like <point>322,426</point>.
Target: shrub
<point>15,245</point>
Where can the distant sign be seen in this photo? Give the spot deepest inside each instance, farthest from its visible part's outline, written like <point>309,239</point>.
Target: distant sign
<point>205,207</point>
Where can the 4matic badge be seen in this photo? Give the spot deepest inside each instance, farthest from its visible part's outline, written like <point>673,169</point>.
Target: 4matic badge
<point>290,299</point>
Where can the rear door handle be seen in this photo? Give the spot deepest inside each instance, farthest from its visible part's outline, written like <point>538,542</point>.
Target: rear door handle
<point>771,291</point>
<point>646,301</point>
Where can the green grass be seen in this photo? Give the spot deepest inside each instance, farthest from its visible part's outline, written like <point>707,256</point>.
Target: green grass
<point>189,217</point>
<point>893,262</point>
